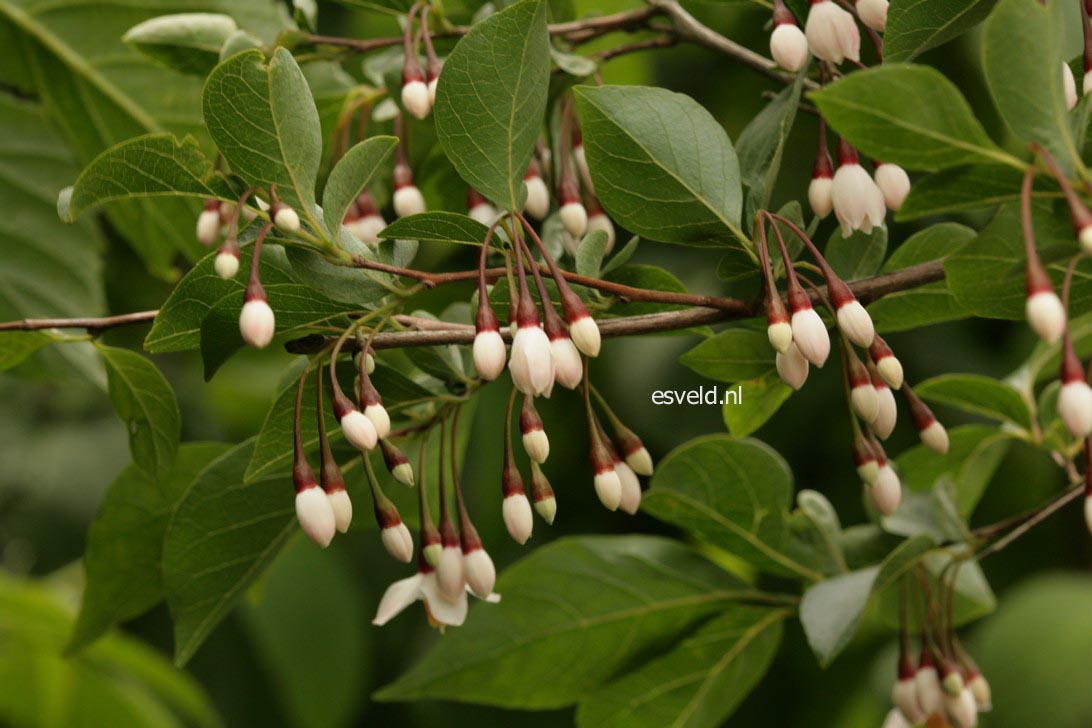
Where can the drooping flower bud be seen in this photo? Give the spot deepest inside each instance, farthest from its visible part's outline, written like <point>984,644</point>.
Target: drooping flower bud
<point>931,432</point>
<point>608,485</point>
<point>372,405</point>
<point>481,574</point>
<point>873,13</point>
<point>450,574</point>
<point>580,156</point>
<point>885,492</point>
<point>788,45</point>
<point>284,217</point>
<point>631,488</point>
<point>888,411</point>
<point>535,441</point>
<point>792,366</point>
<point>1075,398</point>
<point>537,202</point>
<point>392,531</point>
<point>598,220</point>
<point>809,333</point>
<point>333,483</point>
<point>315,514</point>
<point>858,202</point>
<point>532,363</point>
<point>864,457</point>
<point>256,322</point>
<point>398,465</point>
<point>778,328</point>
<point>370,223</point>
<point>961,708</point>
<point>980,689</point>
<point>516,509</point>
<point>631,447</point>
<point>573,215</point>
<point>226,264</point>
<point>862,395</point>
<point>820,191</point>
<point>889,367</point>
<point>1069,87</point>
<point>415,94</point>
<point>832,33</point>
<point>927,680</point>
<point>904,694</point>
<point>408,200</point>
<point>431,542</point>
<point>478,208</point>
<point>895,719</point>
<point>490,354</point>
<point>893,182</point>
<point>542,493</point>
<point>357,429</point>
<point>208,223</point>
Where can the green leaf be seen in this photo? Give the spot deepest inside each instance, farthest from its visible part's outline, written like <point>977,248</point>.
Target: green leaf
<point>645,276</point>
<point>186,42</point>
<point>49,269</point>
<point>733,355</point>
<point>662,165</point>
<point>732,493</point>
<point>1028,91</point>
<point>622,257</point>
<point>817,532</point>
<point>978,395</point>
<point>831,610</point>
<point>857,256</point>
<point>924,305</point>
<point>145,402</point>
<point>147,166</point>
<point>910,115</point>
<point>591,604</point>
<point>761,145</point>
<point>699,683</point>
<point>177,326</point>
<point>351,175</point>
<point>222,536</point>
<point>759,400</point>
<point>915,27</point>
<point>589,256</point>
<point>974,454</point>
<point>964,189</point>
<point>491,100</point>
<point>125,543</point>
<point>265,124</point>
<point>437,227</point>
<point>17,346</point>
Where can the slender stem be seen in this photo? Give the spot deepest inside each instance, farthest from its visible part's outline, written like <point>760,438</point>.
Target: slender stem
<point>92,325</point>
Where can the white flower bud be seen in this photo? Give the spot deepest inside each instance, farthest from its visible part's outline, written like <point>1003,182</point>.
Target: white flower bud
<point>873,13</point>
<point>483,212</point>
<point>935,437</point>
<point>820,196</point>
<point>887,414</point>
<point>532,363</point>
<point>537,445</point>
<point>432,90</point>
<point>286,219</point>
<point>368,228</point>
<point>256,323</point>
<point>403,473</point>
<point>895,719</point>
<point>315,515</point>
<point>489,354</point>
<point>481,574</point>
<point>930,695</point>
<point>580,158</point>
<point>890,369</point>
<point>792,367</point>
<point>858,202</point>
<point>856,324</point>
<point>379,416</point>
<point>226,264</point>
<point>1046,315</point>
<point>780,335</point>
<point>980,689</point>
<point>631,488</point>
<point>575,219</point>
<point>343,509</point>
<point>208,226</point>
<point>398,542</point>
<point>640,460</point>
<point>1084,237</point>
<point>832,33</point>
<point>415,98</point>
<point>1075,408</point>
<point>450,574</point>
<point>537,203</point>
<point>961,709</point>
<point>568,366</point>
<point>547,509</point>
<point>359,430</point>
<point>585,334</point>
<point>432,554</point>
<point>608,486</point>
<point>810,333</point>
<point>600,221</point>
<point>893,182</point>
<point>789,47</point>
<point>905,697</point>
<point>952,683</point>
<point>885,493</point>
<point>408,201</point>
<point>516,510</point>
<point>1069,86</point>
<point>863,398</point>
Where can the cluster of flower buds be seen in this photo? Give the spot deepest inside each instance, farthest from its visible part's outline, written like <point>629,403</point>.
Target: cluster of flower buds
<point>938,687</point>
<point>858,200</point>
<point>830,33</point>
<point>408,199</point>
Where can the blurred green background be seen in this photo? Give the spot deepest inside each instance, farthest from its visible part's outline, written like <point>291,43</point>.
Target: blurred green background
<point>301,651</point>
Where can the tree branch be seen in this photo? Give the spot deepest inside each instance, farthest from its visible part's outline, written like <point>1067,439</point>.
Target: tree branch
<point>91,324</point>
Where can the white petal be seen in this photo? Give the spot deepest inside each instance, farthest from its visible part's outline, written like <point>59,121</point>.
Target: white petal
<point>398,596</point>
<point>451,612</point>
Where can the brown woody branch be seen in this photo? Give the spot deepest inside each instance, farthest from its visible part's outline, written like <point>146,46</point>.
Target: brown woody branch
<point>90,324</point>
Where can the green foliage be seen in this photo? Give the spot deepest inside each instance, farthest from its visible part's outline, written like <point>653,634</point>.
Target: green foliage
<point>437,227</point>
<point>187,42</point>
<point>733,355</point>
<point>915,27</point>
<point>351,176</point>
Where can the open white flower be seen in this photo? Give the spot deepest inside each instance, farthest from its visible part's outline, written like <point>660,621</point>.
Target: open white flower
<point>422,586</point>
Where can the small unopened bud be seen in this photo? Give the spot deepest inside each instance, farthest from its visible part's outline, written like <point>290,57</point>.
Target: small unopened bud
<point>832,33</point>
<point>532,363</point>
<point>568,366</point>
<point>397,463</point>
<point>905,697</point>
<point>208,223</point>
<point>820,193</point>
<point>535,441</point>
<point>478,208</point>
<point>631,488</point>
<point>980,689</point>
<point>887,411</point>
<point>408,199</point>
<point>343,508</point>
<point>450,574</point>
<point>1069,87</point>
<point>864,457</point>
<point>285,218</point>
<point>585,335</point>
<point>358,429</point>
<point>932,433</point>
<point>889,367</point>
<point>481,574</point>
<point>895,719</point>
<point>873,13</point>
<point>608,486</point>
<point>893,182</point>
<point>788,45</point>
<point>398,542</point>
<point>792,367</point>
<point>575,218</point>
<point>1046,315</point>
<point>951,681</point>
<point>862,395</point>
<point>543,494</point>
<point>537,202</point>
<point>1075,407</point>
<point>885,493</point>
<point>415,97</point>
<point>927,680</point>
<point>858,202</point>
<point>380,418</point>
<point>257,323</point>
<point>315,515</point>
<point>810,334</point>
<point>961,708</point>
<point>640,460</point>
<point>226,263</point>
<point>780,335</point>
<point>517,517</point>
